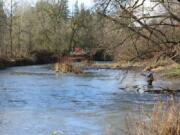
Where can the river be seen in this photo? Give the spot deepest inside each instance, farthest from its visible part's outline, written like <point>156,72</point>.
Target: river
<point>34,100</point>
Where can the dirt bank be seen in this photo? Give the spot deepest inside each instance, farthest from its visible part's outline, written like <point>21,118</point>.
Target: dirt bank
<point>35,58</point>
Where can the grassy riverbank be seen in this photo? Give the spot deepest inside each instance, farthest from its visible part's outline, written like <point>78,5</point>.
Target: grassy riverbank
<point>169,72</point>
<point>165,69</point>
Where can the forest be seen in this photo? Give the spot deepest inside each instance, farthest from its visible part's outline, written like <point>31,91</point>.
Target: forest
<point>122,30</point>
<point>48,26</point>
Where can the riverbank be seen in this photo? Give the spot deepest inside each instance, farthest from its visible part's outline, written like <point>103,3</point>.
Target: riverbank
<point>166,70</point>
<point>169,71</point>
<point>163,69</point>
<point>35,58</point>
<point>5,63</point>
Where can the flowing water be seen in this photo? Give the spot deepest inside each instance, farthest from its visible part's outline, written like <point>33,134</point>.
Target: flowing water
<point>34,100</point>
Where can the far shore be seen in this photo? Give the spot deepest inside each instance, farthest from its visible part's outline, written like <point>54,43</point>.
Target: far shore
<point>163,69</point>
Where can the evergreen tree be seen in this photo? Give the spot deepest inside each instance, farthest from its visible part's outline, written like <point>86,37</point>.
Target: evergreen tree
<point>65,9</point>
<point>76,8</point>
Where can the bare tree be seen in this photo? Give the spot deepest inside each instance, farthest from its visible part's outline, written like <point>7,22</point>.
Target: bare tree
<point>2,26</point>
<point>11,28</point>
<point>157,23</point>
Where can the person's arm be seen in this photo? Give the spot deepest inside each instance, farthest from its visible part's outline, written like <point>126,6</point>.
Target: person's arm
<point>143,74</point>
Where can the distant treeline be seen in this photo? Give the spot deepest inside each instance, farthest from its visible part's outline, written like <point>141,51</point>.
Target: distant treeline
<point>48,25</point>
<point>113,28</point>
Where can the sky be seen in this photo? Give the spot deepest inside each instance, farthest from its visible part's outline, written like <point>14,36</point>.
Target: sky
<point>87,3</point>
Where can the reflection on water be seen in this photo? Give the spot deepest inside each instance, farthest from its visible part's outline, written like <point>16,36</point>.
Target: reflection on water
<point>36,101</point>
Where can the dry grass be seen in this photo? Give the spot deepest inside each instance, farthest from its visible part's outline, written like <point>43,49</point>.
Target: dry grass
<point>169,72</point>
<point>67,68</point>
<point>166,68</point>
<point>164,120</point>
